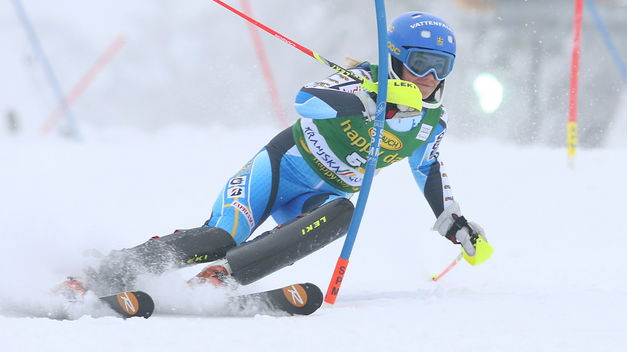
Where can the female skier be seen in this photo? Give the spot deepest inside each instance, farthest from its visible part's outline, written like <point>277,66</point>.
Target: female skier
<point>321,157</point>
<point>305,175</point>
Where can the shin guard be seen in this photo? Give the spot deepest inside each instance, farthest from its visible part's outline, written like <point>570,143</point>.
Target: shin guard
<point>289,242</point>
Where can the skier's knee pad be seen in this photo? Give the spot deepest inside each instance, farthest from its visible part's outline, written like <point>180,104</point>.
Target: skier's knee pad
<point>289,242</point>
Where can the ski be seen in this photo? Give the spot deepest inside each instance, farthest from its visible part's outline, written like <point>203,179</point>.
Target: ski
<point>126,304</point>
<point>296,299</point>
<point>130,304</point>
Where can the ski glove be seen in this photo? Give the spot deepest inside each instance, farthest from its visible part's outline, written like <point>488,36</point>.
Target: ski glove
<point>370,107</point>
<point>452,225</point>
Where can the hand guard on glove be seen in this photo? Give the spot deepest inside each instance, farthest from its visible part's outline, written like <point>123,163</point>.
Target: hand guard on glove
<point>452,225</point>
<point>370,107</point>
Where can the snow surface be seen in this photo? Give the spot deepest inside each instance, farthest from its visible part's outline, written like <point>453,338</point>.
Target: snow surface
<point>556,281</point>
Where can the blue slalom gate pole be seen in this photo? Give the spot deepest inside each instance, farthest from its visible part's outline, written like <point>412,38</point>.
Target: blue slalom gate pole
<point>607,38</point>
<point>373,157</point>
<point>50,75</point>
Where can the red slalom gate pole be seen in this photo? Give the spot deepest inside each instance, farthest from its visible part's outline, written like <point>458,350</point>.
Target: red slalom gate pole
<point>571,133</point>
<point>266,69</point>
<point>82,85</point>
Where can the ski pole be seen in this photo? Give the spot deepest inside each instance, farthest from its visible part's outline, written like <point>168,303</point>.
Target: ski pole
<point>448,268</point>
<point>400,92</point>
<point>368,85</point>
<point>373,156</point>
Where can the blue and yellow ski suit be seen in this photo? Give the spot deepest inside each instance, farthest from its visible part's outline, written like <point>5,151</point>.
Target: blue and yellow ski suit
<point>320,158</point>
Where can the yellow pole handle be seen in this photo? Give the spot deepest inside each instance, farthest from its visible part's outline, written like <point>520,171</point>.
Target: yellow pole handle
<point>399,92</point>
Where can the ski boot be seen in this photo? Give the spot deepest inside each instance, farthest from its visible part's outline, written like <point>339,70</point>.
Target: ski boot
<point>216,274</point>
<point>72,289</point>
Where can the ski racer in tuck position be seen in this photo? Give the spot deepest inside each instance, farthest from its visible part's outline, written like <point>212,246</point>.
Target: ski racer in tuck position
<point>306,174</point>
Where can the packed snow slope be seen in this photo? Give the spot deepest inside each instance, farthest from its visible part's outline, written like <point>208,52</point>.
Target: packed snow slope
<point>556,281</point>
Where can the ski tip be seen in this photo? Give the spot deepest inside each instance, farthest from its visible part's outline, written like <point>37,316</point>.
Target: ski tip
<point>303,299</point>
<point>147,304</point>
<point>131,304</point>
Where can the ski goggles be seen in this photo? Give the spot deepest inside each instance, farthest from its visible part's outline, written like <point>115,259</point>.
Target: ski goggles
<point>421,62</point>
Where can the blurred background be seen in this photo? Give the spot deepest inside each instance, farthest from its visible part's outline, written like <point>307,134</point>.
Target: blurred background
<point>194,63</point>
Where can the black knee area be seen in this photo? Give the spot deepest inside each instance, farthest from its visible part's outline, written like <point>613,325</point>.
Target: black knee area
<point>183,247</point>
<point>119,270</point>
<point>290,242</point>
<point>198,245</point>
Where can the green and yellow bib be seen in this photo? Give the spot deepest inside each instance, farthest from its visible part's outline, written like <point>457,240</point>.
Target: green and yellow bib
<point>337,148</point>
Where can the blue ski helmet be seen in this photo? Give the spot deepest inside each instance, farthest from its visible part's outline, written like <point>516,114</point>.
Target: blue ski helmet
<point>423,43</point>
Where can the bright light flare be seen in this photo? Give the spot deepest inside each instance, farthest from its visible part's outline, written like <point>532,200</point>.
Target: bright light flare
<point>489,92</point>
